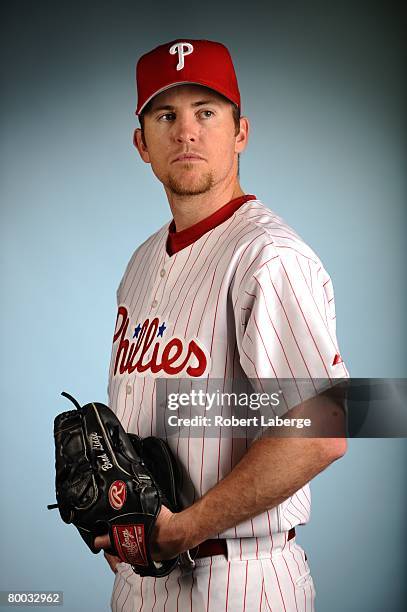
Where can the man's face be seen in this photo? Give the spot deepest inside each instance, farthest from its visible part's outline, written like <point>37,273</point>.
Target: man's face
<point>190,139</point>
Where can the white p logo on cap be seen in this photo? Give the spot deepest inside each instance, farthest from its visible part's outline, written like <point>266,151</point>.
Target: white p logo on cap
<point>183,49</point>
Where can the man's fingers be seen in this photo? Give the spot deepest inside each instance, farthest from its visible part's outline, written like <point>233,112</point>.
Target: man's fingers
<point>102,541</point>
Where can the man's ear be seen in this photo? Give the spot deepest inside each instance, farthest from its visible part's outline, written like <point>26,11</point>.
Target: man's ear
<point>140,145</point>
<point>243,135</point>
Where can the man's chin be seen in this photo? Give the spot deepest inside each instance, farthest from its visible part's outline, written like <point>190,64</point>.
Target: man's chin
<point>190,186</point>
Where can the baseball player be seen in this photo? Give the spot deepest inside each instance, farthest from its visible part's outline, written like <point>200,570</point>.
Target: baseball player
<point>226,290</point>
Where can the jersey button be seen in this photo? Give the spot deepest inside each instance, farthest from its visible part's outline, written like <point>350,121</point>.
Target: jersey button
<point>154,304</point>
<point>128,389</point>
<point>162,273</point>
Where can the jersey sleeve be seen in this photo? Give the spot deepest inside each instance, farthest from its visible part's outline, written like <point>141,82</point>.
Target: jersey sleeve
<point>285,328</point>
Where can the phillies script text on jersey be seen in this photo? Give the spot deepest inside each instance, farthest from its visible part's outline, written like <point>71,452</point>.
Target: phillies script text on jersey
<point>131,354</point>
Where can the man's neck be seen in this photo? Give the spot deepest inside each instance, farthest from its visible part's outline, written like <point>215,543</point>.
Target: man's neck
<point>190,210</point>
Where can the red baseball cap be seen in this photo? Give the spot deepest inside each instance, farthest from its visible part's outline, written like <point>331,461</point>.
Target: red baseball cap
<point>185,61</point>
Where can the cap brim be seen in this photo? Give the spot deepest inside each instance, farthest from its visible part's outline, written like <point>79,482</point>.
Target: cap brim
<point>170,85</point>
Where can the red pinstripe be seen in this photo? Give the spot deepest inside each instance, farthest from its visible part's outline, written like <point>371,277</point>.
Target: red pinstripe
<point>271,535</point>
<point>141,594</point>
<point>209,585</point>
<point>245,581</point>
<point>165,584</point>
<point>189,440</point>
<point>155,595</point>
<point>179,591</point>
<point>304,492</point>
<point>227,587</point>
<point>261,595</point>
<point>326,313</point>
<point>305,569</point>
<point>141,399</point>
<point>279,587</point>
<point>236,360</point>
<point>310,275</point>
<point>192,586</point>
<point>251,360</point>
<point>220,431</point>
<point>267,599</point>
<point>290,543</point>
<point>122,417</point>
<point>132,406</point>
<point>125,405</point>
<point>152,409</point>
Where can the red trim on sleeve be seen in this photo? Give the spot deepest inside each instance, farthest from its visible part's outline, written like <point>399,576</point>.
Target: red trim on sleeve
<point>179,240</point>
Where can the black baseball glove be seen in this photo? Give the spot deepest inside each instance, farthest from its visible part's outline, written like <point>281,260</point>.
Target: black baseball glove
<point>111,481</point>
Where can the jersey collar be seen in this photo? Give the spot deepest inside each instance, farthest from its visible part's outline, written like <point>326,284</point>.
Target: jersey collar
<point>179,240</point>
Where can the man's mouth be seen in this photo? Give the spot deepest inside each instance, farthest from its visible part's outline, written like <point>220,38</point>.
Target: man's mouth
<point>188,157</point>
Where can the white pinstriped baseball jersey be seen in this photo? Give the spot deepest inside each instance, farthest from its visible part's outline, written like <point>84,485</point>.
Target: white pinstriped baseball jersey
<point>248,298</point>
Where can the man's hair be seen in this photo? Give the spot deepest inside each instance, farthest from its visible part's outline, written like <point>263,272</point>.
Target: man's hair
<point>235,114</point>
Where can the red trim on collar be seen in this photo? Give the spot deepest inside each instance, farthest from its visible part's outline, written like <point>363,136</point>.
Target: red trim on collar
<point>179,240</point>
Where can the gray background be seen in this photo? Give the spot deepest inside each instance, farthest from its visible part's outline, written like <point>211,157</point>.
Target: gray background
<point>323,84</point>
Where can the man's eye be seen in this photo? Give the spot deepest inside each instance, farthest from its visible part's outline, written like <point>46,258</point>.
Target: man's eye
<point>206,114</point>
<point>167,117</point>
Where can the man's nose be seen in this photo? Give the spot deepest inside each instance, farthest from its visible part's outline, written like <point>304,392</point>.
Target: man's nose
<point>186,129</point>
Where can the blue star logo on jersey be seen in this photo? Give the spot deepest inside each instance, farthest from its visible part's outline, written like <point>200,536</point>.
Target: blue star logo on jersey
<point>137,331</point>
<point>161,330</point>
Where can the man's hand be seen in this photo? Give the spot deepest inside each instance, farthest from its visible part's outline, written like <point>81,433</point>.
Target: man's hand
<point>168,539</point>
